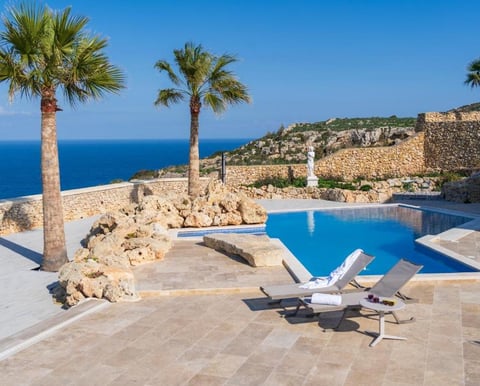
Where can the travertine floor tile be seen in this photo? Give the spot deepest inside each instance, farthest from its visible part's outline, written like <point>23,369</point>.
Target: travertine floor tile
<point>250,374</point>
<point>206,380</point>
<point>223,365</point>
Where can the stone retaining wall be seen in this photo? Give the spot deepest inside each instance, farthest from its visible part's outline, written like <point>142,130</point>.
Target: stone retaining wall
<point>26,212</point>
<point>406,158</point>
<point>452,140</point>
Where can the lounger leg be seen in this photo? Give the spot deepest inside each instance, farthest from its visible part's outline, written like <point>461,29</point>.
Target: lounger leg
<point>297,309</point>
<point>299,305</point>
<point>294,313</point>
<point>356,284</point>
<point>412,319</point>
<point>381,334</point>
<point>405,298</point>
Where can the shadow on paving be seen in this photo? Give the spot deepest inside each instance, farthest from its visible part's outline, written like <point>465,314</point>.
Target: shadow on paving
<point>23,251</point>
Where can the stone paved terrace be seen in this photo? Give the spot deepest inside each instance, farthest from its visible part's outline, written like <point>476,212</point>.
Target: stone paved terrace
<point>190,267</point>
<point>238,339</point>
<point>209,325</point>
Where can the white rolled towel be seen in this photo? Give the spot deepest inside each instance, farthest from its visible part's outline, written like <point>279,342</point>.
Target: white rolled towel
<point>331,300</point>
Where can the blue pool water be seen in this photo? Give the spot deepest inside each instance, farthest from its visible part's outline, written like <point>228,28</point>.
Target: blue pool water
<point>250,230</point>
<point>322,239</point>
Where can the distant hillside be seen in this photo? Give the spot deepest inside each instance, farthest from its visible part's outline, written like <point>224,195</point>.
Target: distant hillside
<point>289,144</point>
<point>467,108</point>
<point>341,124</point>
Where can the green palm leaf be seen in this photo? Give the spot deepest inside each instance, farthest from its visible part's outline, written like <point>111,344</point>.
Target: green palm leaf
<point>473,77</point>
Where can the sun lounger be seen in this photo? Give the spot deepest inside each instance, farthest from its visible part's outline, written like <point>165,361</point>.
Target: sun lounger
<point>295,290</point>
<point>388,286</point>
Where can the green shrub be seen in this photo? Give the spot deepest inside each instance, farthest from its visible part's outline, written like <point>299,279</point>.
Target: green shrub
<point>332,184</point>
<point>300,182</point>
<point>280,182</point>
<point>449,177</point>
<point>408,186</point>
<point>207,171</point>
<point>144,175</point>
<point>366,188</point>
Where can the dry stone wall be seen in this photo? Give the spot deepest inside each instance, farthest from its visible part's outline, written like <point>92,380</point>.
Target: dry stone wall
<point>406,158</point>
<point>26,213</point>
<point>452,140</point>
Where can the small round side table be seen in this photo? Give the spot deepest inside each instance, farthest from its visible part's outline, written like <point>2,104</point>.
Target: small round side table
<point>381,309</point>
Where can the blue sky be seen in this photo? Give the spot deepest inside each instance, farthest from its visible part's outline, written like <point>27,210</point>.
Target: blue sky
<point>303,61</point>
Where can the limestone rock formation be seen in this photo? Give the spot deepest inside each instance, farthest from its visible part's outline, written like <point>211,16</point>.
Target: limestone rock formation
<point>138,234</point>
<point>258,251</point>
<point>116,242</point>
<point>89,278</point>
<point>217,207</point>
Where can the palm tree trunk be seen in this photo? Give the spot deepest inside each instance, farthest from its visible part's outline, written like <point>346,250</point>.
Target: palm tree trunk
<point>54,246</point>
<point>194,161</point>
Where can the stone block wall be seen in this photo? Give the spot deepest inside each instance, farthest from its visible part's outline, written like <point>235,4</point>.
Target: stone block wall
<point>26,212</point>
<point>406,158</point>
<point>452,140</point>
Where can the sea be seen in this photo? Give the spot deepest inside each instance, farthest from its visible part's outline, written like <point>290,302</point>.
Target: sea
<point>86,163</point>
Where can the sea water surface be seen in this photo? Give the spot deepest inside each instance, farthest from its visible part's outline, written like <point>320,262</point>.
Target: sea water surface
<point>85,163</point>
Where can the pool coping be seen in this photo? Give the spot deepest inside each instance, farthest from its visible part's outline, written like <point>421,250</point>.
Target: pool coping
<point>453,234</point>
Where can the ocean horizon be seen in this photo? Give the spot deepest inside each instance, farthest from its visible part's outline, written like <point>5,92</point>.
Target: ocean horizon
<point>86,163</point>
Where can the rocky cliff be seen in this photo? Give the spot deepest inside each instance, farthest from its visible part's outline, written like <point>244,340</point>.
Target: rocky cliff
<point>289,145</point>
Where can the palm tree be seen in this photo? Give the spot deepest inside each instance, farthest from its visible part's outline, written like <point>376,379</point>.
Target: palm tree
<point>42,50</point>
<point>202,78</point>
<point>473,77</point>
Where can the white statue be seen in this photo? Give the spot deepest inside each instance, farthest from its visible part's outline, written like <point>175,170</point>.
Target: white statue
<point>312,179</point>
<point>310,162</point>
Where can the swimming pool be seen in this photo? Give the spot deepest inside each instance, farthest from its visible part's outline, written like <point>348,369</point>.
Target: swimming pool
<point>321,239</point>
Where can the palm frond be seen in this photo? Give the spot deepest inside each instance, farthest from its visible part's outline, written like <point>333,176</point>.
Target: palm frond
<point>67,30</point>
<point>215,102</point>
<point>49,50</point>
<point>222,62</point>
<point>169,96</point>
<point>195,65</point>
<point>163,65</point>
<point>24,31</point>
<point>473,77</point>
<point>204,76</point>
<point>232,90</point>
